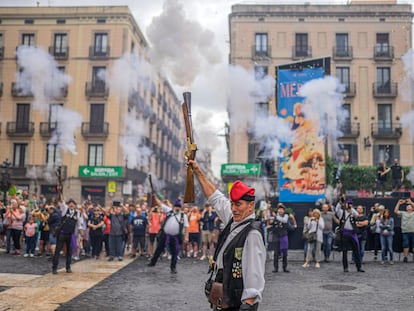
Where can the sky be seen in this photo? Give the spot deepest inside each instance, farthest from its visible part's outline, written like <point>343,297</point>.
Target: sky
<point>197,62</point>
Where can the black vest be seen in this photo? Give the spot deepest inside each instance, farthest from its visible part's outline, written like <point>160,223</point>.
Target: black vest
<point>279,228</point>
<point>69,223</point>
<point>232,275</point>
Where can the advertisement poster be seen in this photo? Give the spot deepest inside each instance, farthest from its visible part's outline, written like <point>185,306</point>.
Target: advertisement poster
<point>302,165</point>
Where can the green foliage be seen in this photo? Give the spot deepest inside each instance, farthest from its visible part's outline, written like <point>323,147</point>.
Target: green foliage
<point>12,190</point>
<point>355,177</point>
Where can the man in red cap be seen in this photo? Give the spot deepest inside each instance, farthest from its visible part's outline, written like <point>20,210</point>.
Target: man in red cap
<point>240,256</point>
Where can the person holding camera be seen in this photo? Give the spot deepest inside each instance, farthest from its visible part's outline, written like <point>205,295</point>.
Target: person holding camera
<point>386,225</point>
<point>315,225</point>
<point>119,231</point>
<point>407,225</point>
<point>347,214</point>
<point>155,218</point>
<point>239,261</point>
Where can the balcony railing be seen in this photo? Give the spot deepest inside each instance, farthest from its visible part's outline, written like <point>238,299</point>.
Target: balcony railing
<point>259,51</point>
<point>383,52</point>
<point>384,130</point>
<point>350,130</point>
<point>350,89</point>
<point>59,53</point>
<point>301,52</point>
<point>99,53</point>
<point>95,130</point>
<point>19,92</point>
<point>96,90</point>
<point>47,128</point>
<point>20,129</point>
<point>342,52</point>
<point>21,172</point>
<point>389,89</point>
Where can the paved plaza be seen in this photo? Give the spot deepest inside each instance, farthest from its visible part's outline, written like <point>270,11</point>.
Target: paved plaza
<point>27,284</point>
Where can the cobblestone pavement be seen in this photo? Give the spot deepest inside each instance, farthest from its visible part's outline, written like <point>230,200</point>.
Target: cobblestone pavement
<point>27,284</point>
<point>138,287</point>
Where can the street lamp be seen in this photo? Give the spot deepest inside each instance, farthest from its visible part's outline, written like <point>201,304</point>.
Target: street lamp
<point>5,179</point>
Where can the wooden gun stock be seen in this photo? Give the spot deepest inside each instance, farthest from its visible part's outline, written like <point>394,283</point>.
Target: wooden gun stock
<point>58,172</point>
<point>153,201</point>
<point>189,196</point>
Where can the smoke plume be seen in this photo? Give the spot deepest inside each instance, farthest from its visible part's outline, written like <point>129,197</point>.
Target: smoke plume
<point>180,47</point>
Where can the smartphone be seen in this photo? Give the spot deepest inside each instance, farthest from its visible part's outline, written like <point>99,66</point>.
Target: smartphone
<point>116,203</point>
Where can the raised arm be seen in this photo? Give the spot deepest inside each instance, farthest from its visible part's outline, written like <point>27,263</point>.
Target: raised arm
<point>206,186</point>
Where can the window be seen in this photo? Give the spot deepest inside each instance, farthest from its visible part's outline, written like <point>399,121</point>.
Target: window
<point>28,39</point>
<point>101,44</point>
<point>54,110</point>
<point>383,80</point>
<point>60,46</point>
<point>96,118</point>
<point>384,119</point>
<point>341,44</point>
<point>98,78</point>
<point>22,118</point>
<point>347,127</point>
<point>348,154</point>
<point>342,73</point>
<point>382,46</point>
<point>1,46</point>
<point>385,153</point>
<point>95,155</point>
<point>19,155</point>
<point>53,155</point>
<point>261,44</point>
<point>260,72</point>
<point>301,44</point>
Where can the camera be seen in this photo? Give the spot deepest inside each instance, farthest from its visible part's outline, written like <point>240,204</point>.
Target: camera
<point>116,203</point>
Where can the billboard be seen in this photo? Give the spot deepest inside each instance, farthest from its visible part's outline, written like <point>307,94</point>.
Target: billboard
<point>302,164</point>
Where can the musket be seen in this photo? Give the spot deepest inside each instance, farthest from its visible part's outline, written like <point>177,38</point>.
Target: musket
<point>153,201</point>
<point>190,153</point>
<point>58,172</point>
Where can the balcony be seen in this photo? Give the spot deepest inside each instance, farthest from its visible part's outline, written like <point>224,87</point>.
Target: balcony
<point>389,89</point>
<point>1,52</point>
<point>383,52</point>
<point>19,92</point>
<point>20,129</point>
<point>93,89</point>
<point>260,52</point>
<point>59,53</point>
<point>342,53</point>
<point>98,130</point>
<point>99,52</point>
<point>386,130</point>
<point>47,128</point>
<point>350,130</point>
<point>350,89</point>
<point>21,172</point>
<point>299,52</point>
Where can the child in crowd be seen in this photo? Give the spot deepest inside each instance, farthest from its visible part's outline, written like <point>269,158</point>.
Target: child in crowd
<point>30,234</point>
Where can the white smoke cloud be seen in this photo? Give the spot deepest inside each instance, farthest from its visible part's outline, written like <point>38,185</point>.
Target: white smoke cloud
<point>135,152</point>
<point>406,87</point>
<point>324,104</point>
<point>39,75</point>
<point>180,47</point>
<point>129,73</point>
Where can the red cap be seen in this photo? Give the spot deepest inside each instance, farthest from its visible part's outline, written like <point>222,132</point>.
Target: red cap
<point>240,191</point>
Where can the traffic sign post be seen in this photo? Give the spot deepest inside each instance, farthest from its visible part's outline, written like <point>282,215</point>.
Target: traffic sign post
<point>100,171</point>
<point>241,169</point>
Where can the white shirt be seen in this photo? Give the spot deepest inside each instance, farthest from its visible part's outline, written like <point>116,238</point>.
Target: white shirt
<point>172,225</point>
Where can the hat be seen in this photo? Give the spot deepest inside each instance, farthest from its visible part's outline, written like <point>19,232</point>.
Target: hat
<point>177,203</point>
<point>71,201</point>
<point>349,201</point>
<point>240,191</point>
<point>281,205</point>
